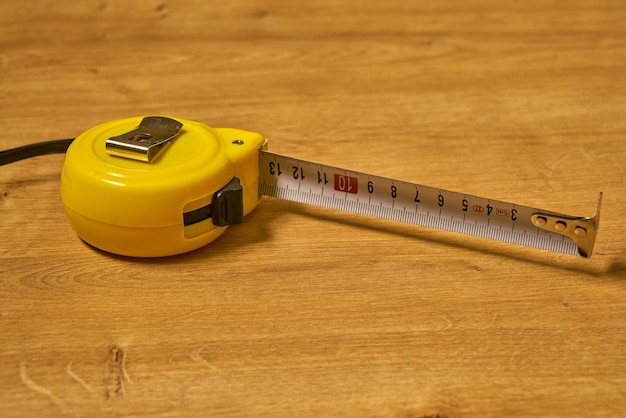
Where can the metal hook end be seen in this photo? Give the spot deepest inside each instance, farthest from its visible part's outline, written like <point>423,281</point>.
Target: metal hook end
<point>582,230</point>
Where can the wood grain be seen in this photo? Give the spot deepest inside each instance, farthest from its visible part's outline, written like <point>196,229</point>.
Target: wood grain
<point>309,312</point>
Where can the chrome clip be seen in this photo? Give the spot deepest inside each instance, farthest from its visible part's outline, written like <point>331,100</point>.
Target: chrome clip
<point>145,141</point>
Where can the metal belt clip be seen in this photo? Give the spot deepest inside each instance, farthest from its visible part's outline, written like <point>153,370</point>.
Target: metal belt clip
<point>146,141</point>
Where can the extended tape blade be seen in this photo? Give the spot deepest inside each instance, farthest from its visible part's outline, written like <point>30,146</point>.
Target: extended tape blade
<point>331,187</point>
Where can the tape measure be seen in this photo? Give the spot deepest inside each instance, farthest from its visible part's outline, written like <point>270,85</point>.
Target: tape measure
<point>158,186</point>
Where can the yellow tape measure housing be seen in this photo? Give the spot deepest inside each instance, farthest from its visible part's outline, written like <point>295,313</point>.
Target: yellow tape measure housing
<point>140,208</point>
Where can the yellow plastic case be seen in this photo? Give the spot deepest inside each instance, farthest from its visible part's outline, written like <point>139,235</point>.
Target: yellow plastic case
<point>136,208</point>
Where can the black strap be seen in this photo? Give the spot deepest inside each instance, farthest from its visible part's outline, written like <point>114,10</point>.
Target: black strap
<point>58,146</point>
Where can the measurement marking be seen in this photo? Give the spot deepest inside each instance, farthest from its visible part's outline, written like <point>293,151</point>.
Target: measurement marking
<point>406,202</point>
<point>503,212</point>
<point>347,184</point>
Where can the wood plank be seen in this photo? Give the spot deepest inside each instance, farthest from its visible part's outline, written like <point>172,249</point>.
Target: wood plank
<point>303,311</point>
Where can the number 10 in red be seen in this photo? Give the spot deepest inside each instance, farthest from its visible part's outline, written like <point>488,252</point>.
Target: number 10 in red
<point>346,184</point>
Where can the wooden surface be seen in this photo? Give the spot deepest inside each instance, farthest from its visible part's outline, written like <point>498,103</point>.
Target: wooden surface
<point>309,312</point>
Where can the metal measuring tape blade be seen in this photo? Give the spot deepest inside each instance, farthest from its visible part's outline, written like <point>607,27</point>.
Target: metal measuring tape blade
<point>323,185</point>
